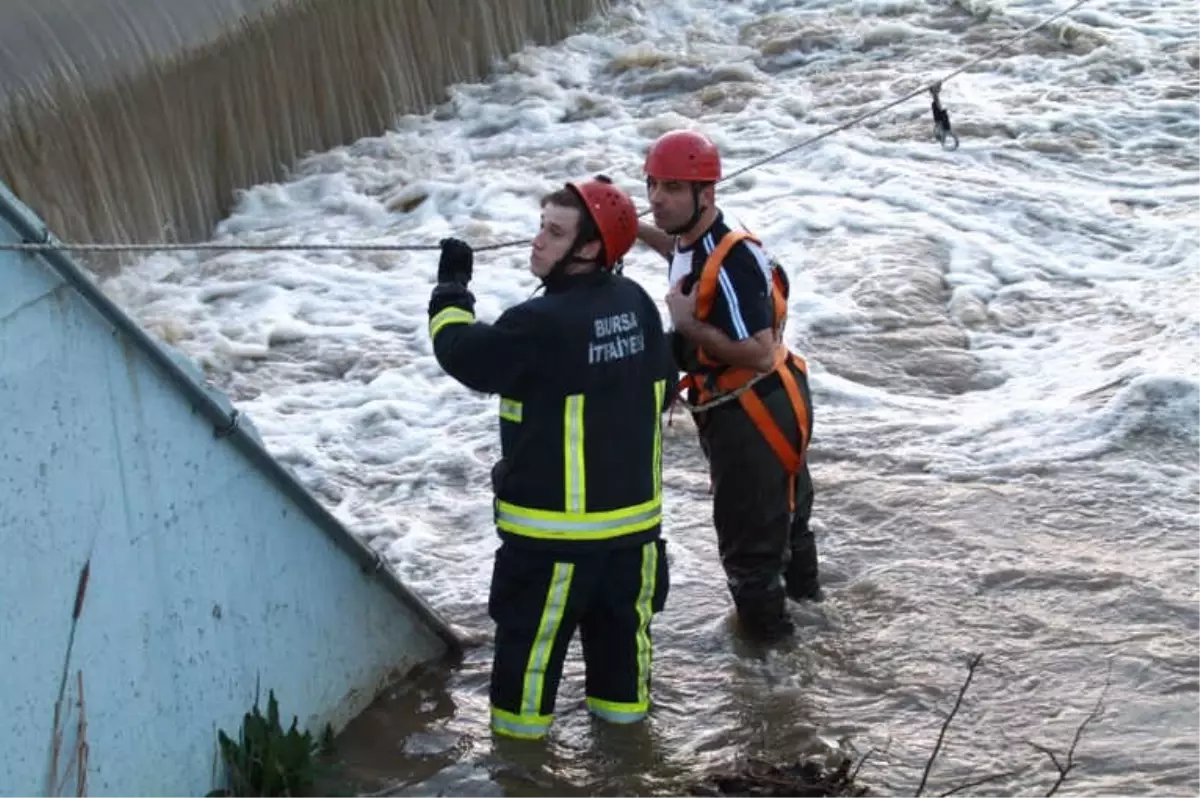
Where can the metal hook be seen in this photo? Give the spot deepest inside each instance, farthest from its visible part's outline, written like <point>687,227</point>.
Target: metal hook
<point>941,119</point>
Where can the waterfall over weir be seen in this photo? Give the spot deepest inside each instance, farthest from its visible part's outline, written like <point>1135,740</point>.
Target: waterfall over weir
<point>136,120</point>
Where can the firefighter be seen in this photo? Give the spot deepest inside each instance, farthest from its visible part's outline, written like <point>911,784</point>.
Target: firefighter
<point>582,373</point>
<point>728,306</point>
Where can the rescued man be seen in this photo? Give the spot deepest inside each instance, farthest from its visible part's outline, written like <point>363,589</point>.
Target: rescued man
<point>582,373</point>
<point>728,305</point>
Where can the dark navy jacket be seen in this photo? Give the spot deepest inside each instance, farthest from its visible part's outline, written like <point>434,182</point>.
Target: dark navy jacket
<point>582,373</point>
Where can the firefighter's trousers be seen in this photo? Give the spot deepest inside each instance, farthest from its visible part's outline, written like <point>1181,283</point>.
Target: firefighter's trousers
<point>538,599</point>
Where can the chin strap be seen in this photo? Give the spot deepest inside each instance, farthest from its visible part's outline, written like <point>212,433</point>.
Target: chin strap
<point>696,211</point>
<point>560,266</point>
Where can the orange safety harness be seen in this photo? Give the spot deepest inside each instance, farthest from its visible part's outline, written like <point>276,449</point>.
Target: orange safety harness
<point>723,383</point>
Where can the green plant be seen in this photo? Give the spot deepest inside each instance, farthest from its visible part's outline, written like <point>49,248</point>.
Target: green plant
<point>267,761</point>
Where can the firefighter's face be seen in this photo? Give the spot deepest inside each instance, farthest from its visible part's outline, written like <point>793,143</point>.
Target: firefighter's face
<point>559,227</point>
<point>671,201</point>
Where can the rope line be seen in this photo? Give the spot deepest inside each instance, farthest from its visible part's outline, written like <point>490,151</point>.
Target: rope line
<point>50,244</point>
<point>929,87</point>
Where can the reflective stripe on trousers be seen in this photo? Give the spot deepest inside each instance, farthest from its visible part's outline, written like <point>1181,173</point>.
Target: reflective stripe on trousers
<point>611,597</point>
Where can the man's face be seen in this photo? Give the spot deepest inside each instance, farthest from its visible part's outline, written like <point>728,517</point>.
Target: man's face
<point>559,227</point>
<point>671,202</point>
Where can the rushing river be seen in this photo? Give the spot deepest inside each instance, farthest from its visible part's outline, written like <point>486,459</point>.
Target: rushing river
<point>1003,341</point>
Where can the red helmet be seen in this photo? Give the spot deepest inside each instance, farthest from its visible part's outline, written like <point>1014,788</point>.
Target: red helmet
<point>613,212</point>
<point>683,155</point>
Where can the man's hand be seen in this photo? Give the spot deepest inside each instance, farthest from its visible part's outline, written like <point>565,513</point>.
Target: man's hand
<point>682,307</point>
<point>456,262</point>
<point>756,352</point>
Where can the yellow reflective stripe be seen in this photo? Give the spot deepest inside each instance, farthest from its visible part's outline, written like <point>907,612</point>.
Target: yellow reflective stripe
<point>617,711</point>
<point>660,389</point>
<point>543,643</point>
<point>644,612</point>
<point>450,315</point>
<point>599,525</point>
<point>510,410</point>
<point>574,476</point>
<point>524,727</point>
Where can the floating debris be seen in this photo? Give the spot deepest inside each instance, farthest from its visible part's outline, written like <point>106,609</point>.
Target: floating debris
<point>759,778</point>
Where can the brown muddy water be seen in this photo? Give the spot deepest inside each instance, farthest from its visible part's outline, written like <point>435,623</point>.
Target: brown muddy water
<point>921,574</point>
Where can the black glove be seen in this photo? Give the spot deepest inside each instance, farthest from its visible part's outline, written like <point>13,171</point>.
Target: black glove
<point>450,295</point>
<point>456,261</point>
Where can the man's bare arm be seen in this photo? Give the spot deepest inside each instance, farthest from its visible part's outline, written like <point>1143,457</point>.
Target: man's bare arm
<point>659,241</point>
<point>756,352</point>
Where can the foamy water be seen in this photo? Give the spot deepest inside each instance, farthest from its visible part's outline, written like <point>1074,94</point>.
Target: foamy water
<point>1003,345</point>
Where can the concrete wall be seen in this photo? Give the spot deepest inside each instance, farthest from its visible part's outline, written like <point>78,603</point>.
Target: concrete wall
<point>210,571</point>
